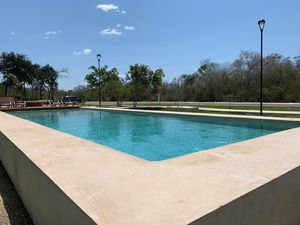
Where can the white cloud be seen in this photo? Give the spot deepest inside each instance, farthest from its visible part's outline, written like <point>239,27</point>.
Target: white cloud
<point>51,34</point>
<point>12,33</point>
<point>111,32</point>
<point>85,51</point>
<point>107,7</point>
<point>116,30</point>
<point>55,32</point>
<point>110,7</point>
<point>129,28</point>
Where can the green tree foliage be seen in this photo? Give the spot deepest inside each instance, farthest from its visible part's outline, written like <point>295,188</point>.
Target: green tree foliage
<point>95,79</point>
<point>9,81</point>
<point>240,80</point>
<point>236,81</point>
<point>139,78</point>
<point>19,73</point>
<point>157,82</point>
<point>18,65</point>
<point>38,84</point>
<point>49,76</point>
<point>110,83</point>
<point>113,86</point>
<point>80,91</point>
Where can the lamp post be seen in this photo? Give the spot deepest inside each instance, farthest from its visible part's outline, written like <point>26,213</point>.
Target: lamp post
<point>261,24</point>
<point>99,87</point>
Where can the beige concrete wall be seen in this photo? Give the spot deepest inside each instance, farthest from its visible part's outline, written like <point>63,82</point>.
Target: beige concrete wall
<point>63,179</point>
<point>275,203</point>
<point>43,199</point>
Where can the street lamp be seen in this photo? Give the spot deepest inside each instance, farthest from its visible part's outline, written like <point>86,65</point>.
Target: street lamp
<point>99,87</point>
<point>261,24</point>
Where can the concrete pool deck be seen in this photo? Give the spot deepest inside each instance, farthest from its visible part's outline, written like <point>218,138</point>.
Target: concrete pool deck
<point>7,109</point>
<point>63,179</point>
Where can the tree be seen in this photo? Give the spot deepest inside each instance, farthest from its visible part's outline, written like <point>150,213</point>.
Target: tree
<point>139,78</point>
<point>113,86</point>
<point>95,79</point>
<point>49,78</point>
<point>37,86</point>
<point>109,81</point>
<point>203,68</point>
<point>80,91</point>
<point>297,63</point>
<point>25,74</point>
<point>9,81</point>
<point>18,65</point>
<point>245,70</point>
<point>157,82</point>
<point>39,75</point>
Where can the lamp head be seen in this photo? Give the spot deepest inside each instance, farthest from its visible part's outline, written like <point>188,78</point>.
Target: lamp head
<point>261,24</point>
<point>98,56</point>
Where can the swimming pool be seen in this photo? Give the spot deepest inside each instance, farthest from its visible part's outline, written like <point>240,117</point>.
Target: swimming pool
<point>150,136</point>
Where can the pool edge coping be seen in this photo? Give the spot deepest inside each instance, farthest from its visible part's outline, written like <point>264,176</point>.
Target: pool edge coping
<point>156,112</point>
<point>269,118</point>
<point>149,162</point>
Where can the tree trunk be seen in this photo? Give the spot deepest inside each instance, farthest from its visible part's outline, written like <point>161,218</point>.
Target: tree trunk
<point>134,104</point>
<point>52,94</point>
<point>32,92</point>
<point>40,92</point>
<point>24,88</point>
<point>21,91</point>
<point>5,91</point>
<point>134,100</point>
<point>158,97</point>
<point>119,103</point>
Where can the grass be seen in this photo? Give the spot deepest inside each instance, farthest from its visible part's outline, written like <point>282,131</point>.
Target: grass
<point>269,108</point>
<point>246,107</point>
<point>252,114</point>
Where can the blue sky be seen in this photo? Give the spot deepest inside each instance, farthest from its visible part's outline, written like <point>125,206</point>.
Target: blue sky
<point>175,35</point>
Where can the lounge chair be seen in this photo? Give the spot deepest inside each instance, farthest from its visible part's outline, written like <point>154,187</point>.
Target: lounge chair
<point>21,104</point>
<point>7,102</point>
<point>55,103</point>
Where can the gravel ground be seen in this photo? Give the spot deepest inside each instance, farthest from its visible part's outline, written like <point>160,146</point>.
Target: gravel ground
<point>12,210</point>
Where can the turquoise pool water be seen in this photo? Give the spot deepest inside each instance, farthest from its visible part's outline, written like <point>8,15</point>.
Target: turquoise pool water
<point>150,136</point>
